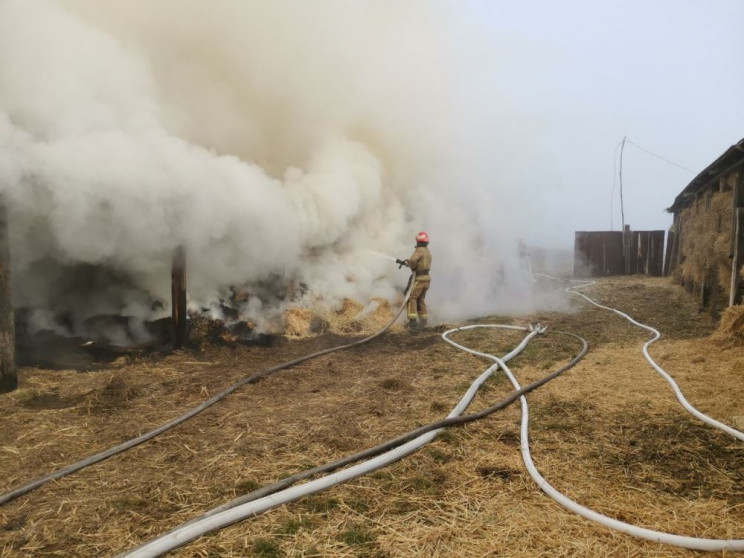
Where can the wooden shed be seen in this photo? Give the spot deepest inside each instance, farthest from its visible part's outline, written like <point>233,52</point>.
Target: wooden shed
<point>705,245</point>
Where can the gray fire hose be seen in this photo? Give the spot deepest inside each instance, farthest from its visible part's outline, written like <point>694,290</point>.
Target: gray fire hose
<point>279,493</point>
<point>403,438</point>
<point>129,444</point>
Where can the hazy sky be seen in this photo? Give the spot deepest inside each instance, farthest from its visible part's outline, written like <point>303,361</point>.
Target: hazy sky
<point>575,76</point>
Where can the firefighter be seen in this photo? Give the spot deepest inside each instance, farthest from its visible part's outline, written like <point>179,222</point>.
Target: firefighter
<point>420,263</point>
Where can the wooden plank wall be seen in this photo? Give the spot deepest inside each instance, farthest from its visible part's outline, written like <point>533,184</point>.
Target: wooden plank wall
<point>647,253</point>
<point>600,253</point>
<point>670,249</point>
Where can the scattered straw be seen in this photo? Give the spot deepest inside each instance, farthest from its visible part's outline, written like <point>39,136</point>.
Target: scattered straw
<point>730,332</point>
<point>352,317</point>
<point>609,433</point>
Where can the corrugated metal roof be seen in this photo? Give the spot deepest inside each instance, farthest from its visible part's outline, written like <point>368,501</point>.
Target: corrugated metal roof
<point>732,156</point>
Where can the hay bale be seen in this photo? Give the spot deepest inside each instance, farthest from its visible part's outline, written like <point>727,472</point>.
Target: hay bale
<point>730,332</point>
<point>350,308</point>
<point>319,325</point>
<point>297,322</point>
<point>344,319</point>
<point>706,237</point>
<point>382,313</point>
<point>354,317</point>
<point>351,317</point>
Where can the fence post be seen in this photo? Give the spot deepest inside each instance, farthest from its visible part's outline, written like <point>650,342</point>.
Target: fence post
<point>626,248</point>
<point>178,297</point>
<point>8,372</point>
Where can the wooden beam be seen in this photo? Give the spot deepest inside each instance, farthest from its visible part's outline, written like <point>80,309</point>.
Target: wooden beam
<point>178,297</point>
<point>8,373</point>
<point>736,202</point>
<point>671,244</point>
<point>678,247</point>
<point>738,258</point>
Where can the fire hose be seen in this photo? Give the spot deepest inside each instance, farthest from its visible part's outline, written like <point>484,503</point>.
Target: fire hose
<point>129,444</point>
<point>390,444</point>
<point>264,498</point>
<point>282,492</point>
<point>693,543</point>
<point>656,336</point>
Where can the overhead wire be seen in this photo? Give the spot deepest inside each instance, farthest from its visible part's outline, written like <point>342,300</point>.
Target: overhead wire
<point>621,145</point>
<point>660,157</point>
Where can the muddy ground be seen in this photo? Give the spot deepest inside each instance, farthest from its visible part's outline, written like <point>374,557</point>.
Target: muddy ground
<point>608,433</point>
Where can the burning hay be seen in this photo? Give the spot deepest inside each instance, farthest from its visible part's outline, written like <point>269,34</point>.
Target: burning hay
<point>730,332</point>
<point>297,322</point>
<point>205,331</point>
<point>351,317</point>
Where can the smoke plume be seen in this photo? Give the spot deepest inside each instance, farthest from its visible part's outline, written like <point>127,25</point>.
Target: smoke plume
<point>277,141</point>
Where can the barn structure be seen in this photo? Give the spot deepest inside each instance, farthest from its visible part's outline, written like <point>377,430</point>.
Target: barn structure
<point>705,245</point>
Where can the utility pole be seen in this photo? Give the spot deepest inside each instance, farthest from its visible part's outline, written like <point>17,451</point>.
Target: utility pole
<point>8,373</point>
<point>625,229</point>
<point>178,297</point>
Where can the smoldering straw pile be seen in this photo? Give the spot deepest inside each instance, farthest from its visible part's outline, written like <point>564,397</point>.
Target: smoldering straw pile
<point>270,139</point>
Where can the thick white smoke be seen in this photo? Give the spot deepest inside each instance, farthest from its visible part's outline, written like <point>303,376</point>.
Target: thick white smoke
<point>276,141</point>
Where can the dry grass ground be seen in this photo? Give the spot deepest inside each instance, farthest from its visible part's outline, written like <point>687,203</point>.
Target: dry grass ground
<point>608,433</point>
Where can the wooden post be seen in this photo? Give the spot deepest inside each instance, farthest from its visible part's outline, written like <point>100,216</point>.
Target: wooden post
<point>626,248</point>
<point>178,297</point>
<point>678,247</point>
<point>8,373</point>
<point>737,233</point>
<point>671,249</point>
<point>737,201</point>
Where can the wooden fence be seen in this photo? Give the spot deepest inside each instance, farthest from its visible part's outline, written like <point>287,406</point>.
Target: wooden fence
<point>600,253</point>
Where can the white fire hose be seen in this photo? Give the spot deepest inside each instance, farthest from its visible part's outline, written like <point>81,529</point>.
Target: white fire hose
<point>693,543</point>
<point>677,391</point>
<point>189,531</point>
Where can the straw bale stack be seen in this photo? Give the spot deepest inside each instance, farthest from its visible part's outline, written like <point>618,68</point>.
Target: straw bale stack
<point>706,237</point>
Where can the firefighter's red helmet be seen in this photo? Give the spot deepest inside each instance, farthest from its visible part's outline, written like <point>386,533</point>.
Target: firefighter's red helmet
<point>422,237</point>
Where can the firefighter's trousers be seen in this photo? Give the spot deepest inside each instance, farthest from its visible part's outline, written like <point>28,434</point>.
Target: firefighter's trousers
<point>417,301</point>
